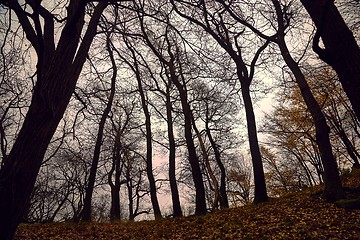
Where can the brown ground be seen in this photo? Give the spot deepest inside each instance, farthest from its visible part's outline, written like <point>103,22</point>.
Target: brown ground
<point>302,215</point>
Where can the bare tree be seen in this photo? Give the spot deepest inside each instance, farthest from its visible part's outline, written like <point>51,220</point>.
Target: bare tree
<point>86,213</point>
<point>333,189</point>
<point>121,127</point>
<point>134,65</point>
<point>340,48</point>
<point>59,64</point>
<point>212,19</point>
<point>138,65</point>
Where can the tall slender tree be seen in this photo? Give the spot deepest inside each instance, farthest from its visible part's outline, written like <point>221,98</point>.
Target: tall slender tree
<point>121,125</point>
<point>86,213</point>
<point>223,199</point>
<point>168,55</point>
<point>134,65</point>
<point>212,20</point>
<point>333,189</point>
<point>172,152</point>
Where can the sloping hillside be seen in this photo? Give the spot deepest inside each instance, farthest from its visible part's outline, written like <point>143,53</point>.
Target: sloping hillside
<point>302,215</point>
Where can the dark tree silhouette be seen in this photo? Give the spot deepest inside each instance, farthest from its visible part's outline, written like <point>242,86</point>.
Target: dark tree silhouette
<point>134,65</point>
<point>86,213</point>
<point>214,23</point>
<point>57,70</point>
<point>172,67</point>
<point>333,190</point>
<point>340,48</point>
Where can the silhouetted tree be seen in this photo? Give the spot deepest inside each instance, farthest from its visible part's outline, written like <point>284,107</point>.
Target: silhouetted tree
<point>340,48</point>
<point>134,65</point>
<point>213,20</point>
<point>333,189</point>
<point>86,213</point>
<point>59,63</point>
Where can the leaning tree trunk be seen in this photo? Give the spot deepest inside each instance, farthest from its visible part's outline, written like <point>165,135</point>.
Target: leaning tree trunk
<point>223,199</point>
<point>51,95</point>
<point>341,50</point>
<point>333,189</point>
<point>205,155</point>
<point>200,201</point>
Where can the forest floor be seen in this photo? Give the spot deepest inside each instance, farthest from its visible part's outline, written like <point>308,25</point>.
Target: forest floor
<point>301,215</point>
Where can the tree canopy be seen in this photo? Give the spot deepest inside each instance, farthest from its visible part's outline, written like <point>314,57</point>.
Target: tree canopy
<point>110,109</point>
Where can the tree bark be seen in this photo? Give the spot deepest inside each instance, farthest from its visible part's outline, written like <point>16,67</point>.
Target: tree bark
<point>54,87</point>
<point>200,201</point>
<point>333,189</point>
<point>223,199</point>
<point>205,155</point>
<point>86,213</point>
<point>258,169</point>
<point>341,51</point>
<point>177,212</point>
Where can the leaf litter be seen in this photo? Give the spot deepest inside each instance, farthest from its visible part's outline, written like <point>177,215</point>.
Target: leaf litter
<point>300,215</point>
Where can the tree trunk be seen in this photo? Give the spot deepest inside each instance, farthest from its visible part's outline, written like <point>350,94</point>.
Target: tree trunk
<point>259,176</point>
<point>245,81</point>
<point>333,189</point>
<point>19,173</point>
<point>200,201</point>
<point>115,203</point>
<point>115,186</point>
<point>223,199</point>
<point>86,213</point>
<point>149,168</point>
<point>194,161</point>
<point>51,95</point>
<point>341,50</point>
<point>205,155</point>
<point>129,186</point>
<point>172,156</point>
